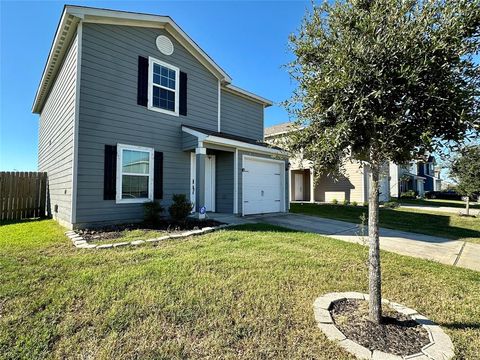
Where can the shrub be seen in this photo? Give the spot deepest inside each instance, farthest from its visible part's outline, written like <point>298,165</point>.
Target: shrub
<point>180,208</point>
<point>345,202</point>
<point>410,194</point>
<point>335,201</point>
<point>354,203</point>
<point>151,211</point>
<point>365,203</point>
<point>391,205</point>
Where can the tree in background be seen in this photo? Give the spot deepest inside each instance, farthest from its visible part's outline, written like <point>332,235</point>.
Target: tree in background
<point>379,81</point>
<point>465,169</point>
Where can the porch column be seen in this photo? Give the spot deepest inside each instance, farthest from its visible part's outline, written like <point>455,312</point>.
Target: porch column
<point>200,154</point>
<point>312,186</point>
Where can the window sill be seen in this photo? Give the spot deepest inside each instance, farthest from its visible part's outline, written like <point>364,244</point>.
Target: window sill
<point>168,112</point>
<point>133,201</point>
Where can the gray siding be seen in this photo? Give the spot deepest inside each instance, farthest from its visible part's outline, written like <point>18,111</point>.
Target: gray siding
<point>56,132</point>
<point>109,114</point>
<point>224,181</point>
<point>240,177</point>
<point>240,116</point>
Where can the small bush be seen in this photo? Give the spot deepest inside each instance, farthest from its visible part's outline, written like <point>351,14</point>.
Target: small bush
<point>335,201</point>
<point>410,194</point>
<point>354,203</point>
<point>180,208</point>
<point>346,202</point>
<point>365,203</point>
<point>391,205</point>
<point>152,211</point>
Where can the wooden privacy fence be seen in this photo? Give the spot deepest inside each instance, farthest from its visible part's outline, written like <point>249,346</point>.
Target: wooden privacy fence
<point>22,195</point>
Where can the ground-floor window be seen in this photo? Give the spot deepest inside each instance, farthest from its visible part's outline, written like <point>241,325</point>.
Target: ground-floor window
<point>134,174</point>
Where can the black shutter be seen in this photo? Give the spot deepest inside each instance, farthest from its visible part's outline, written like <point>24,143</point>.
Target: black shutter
<point>158,176</point>
<point>110,172</point>
<point>183,94</point>
<point>142,85</point>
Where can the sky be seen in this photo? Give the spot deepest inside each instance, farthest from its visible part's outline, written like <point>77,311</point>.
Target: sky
<point>248,39</point>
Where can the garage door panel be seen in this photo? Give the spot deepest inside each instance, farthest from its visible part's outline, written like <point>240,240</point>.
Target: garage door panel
<point>262,186</point>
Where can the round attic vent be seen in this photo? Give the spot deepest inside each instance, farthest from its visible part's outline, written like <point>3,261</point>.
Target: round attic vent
<point>164,44</point>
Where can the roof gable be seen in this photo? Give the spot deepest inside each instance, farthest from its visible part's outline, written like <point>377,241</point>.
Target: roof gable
<point>67,28</point>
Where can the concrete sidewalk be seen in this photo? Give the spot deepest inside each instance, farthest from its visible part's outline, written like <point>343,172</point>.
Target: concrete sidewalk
<point>443,209</point>
<point>445,251</point>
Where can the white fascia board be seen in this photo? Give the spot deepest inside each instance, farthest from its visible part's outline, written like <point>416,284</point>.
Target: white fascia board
<point>242,145</point>
<point>248,95</point>
<point>199,135</point>
<point>204,138</point>
<point>66,29</point>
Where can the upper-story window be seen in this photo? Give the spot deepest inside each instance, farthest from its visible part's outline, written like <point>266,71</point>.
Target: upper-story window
<point>163,81</point>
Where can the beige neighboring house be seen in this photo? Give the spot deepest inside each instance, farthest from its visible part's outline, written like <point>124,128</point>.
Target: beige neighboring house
<point>353,186</point>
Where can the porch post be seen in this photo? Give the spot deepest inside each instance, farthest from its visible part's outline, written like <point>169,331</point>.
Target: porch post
<point>312,186</point>
<point>200,153</point>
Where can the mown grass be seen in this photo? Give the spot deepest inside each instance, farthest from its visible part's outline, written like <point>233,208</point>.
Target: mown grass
<point>245,293</point>
<point>451,226</point>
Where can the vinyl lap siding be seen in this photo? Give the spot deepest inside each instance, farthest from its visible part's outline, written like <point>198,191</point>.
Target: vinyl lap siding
<point>109,114</point>
<point>56,131</point>
<point>348,187</point>
<point>240,116</point>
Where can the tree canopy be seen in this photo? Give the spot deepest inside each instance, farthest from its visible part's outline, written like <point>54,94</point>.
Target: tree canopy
<point>466,170</point>
<point>390,78</point>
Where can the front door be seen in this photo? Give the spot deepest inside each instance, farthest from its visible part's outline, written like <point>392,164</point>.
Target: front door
<point>298,187</point>
<point>209,181</point>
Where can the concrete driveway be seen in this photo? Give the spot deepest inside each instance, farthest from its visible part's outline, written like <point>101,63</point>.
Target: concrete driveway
<point>445,251</point>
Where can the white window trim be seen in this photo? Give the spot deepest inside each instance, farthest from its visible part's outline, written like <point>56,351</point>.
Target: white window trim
<point>120,148</point>
<point>150,106</point>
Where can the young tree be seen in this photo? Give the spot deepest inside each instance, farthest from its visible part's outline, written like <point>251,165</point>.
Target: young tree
<point>465,168</point>
<point>379,81</point>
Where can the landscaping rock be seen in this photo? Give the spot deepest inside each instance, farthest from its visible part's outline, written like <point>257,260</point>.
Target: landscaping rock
<point>137,242</point>
<point>331,332</point>
<point>121,244</point>
<point>380,355</point>
<point>358,350</point>
<point>105,246</point>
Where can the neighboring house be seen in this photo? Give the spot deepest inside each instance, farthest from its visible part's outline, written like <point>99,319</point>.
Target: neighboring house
<point>352,186</point>
<point>418,176</point>
<point>132,110</point>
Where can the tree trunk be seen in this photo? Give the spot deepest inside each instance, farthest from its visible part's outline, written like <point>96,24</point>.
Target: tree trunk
<point>467,206</point>
<point>374,276</point>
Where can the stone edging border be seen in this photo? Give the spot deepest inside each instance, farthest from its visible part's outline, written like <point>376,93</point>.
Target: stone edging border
<point>80,243</point>
<point>440,346</point>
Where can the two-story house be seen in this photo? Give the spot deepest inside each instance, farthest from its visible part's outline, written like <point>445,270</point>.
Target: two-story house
<point>418,176</point>
<point>352,185</point>
<point>133,110</point>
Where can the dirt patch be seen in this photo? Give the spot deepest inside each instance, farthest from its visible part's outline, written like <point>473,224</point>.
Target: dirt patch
<point>143,230</point>
<point>398,334</point>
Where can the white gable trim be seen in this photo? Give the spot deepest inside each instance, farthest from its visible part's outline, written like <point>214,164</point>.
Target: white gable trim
<point>66,29</point>
<point>212,139</point>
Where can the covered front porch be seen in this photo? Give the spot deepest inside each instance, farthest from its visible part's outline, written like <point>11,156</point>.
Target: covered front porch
<point>232,174</point>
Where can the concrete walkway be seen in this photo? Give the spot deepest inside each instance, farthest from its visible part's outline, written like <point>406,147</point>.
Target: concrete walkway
<point>446,209</point>
<point>445,251</point>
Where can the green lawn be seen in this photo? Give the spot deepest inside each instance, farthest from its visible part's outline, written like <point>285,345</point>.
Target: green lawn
<point>442,224</point>
<point>245,293</point>
<point>438,202</point>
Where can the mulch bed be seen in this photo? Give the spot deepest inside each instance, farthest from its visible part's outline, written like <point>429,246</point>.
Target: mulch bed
<point>398,334</point>
<point>116,231</point>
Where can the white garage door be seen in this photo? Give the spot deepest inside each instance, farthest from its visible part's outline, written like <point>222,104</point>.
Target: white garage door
<point>262,186</point>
